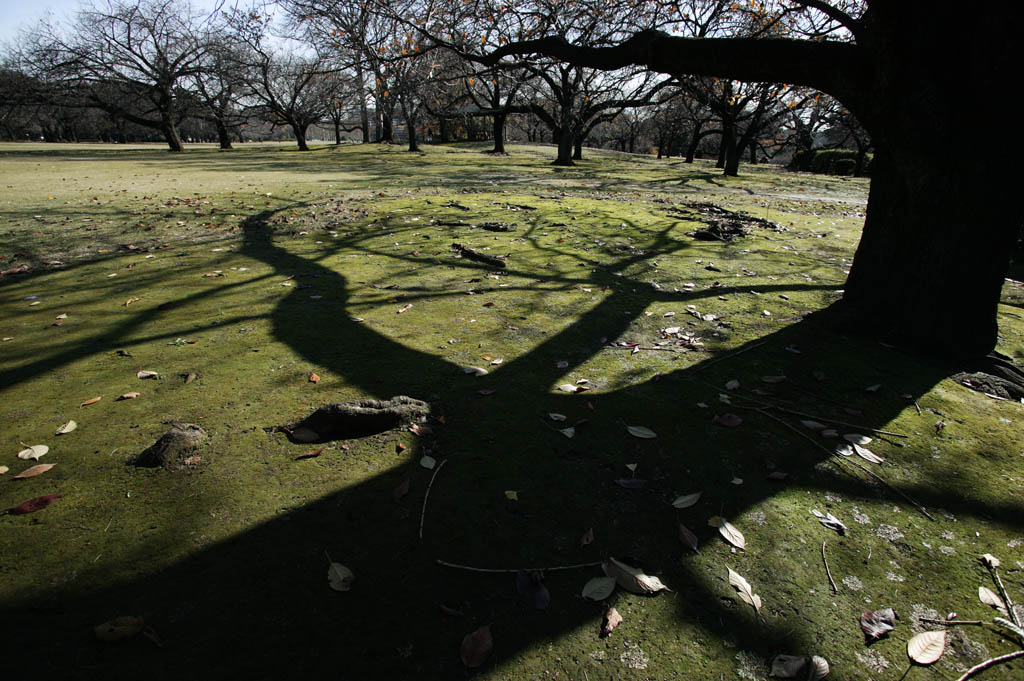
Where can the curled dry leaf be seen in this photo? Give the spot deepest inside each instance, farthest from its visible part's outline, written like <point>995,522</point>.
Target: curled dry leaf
<point>687,500</point>
<point>631,483</point>
<point>857,439</point>
<point>310,455</point>
<point>32,472</point>
<point>830,432</point>
<point>35,452</point>
<point>476,371</point>
<point>314,378</point>
<point>818,669</point>
<point>512,495</point>
<point>867,454</point>
<point>641,432</point>
<point>829,521</point>
<point>192,460</point>
<point>813,425</point>
<point>93,400</point>
<point>451,612</point>
<point>119,628</point>
<point>67,428</point>
<point>599,588</point>
<point>743,588</point>
<point>129,396</point>
<point>927,647</point>
<point>632,579</point>
<point>773,379</point>
<point>476,647</point>
<point>4,469</point>
<point>732,385</point>
<point>147,374</point>
<point>731,534</point>
<point>340,577</point>
<point>587,538</point>
<point>988,597</point>
<point>688,538</point>
<point>611,619</point>
<point>33,505</point>
<point>557,417</point>
<point>728,420</point>
<point>788,666</point>
<point>428,462</point>
<point>569,432</point>
<point>990,561</point>
<point>877,623</point>
<point>844,450</point>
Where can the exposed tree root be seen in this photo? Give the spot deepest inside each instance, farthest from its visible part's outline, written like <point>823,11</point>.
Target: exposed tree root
<point>172,447</point>
<point>344,420</point>
<point>470,254</point>
<point>993,375</point>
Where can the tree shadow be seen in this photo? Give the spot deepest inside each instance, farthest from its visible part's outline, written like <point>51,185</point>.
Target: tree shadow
<point>257,605</point>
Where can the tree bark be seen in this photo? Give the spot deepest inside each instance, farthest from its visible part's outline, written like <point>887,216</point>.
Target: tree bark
<point>498,129</point>
<point>170,132</point>
<point>300,136</point>
<point>411,127</point>
<point>223,135</point>
<point>577,149</point>
<point>565,140</point>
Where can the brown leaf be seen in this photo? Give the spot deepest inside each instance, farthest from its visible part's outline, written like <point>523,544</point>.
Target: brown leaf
<point>728,420</point>
<point>877,623</point>
<point>927,647</point>
<point>192,460</point>
<point>587,538</point>
<point>611,619</point>
<point>189,378</point>
<point>147,374</point>
<point>311,454</point>
<point>400,491</point>
<point>131,300</point>
<point>94,400</point>
<point>313,378</point>
<point>32,472</point>
<point>688,538</point>
<point>632,579</point>
<point>420,429</point>
<point>128,396</point>
<point>477,647</point>
<point>33,505</point>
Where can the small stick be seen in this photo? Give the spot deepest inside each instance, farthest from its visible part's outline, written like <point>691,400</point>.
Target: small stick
<point>643,347</point>
<point>730,356</point>
<point>423,513</point>
<point>950,623</point>
<point>978,668</point>
<point>831,581</point>
<point>514,570</point>
<point>918,407</point>
<point>1010,610</point>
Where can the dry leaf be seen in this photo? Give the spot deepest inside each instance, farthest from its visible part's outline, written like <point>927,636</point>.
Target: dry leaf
<point>989,560</point>
<point>687,500</point>
<point>4,469</point>
<point>119,628</point>
<point>568,388</point>
<point>512,495</point>
<point>867,454</point>
<point>192,460</point>
<point>35,452</point>
<point>67,428</point>
<point>873,388</point>
<point>476,647</point>
<point>746,593</point>
<point>787,666</point>
<point>631,483</point>
<point>404,308</point>
<point>340,577</point>
<point>857,439</point>
<point>147,374</point>
<point>732,385</point>
<point>130,301</point>
<point>829,521</point>
<point>731,534</point>
<point>773,379</point>
<point>989,597</point>
<point>599,588</point>
<point>877,623</point>
<point>496,362</point>
<point>632,579</point>
<point>728,420</point>
<point>313,378</point>
<point>813,425</point>
<point>818,669</point>
<point>611,619</point>
<point>641,432</point>
<point>33,505</point>
<point>557,417</point>
<point>190,377</point>
<point>428,462</point>
<point>927,647</point>
<point>587,538</point>
<point>128,396</point>
<point>94,400</point>
<point>310,455</point>
<point>530,587</point>
<point>451,612</point>
<point>569,432</point>
<point>830,432</point>
<point>844,450</point>
<point>476,371</point>
<point>688,538</point>
<point>32,472</point>
<point>420,429</point>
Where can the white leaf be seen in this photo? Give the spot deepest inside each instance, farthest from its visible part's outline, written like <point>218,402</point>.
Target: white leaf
<point>814,425</point>
<point>671,331</point>
<point>731,534</point>
<point>67,428</point>
<point>147,374</point>
<point>787,666</point>
<point>569,432</point>
<point>844,450</point>
<point>732,385</point>
<point>34,452</point>
<point>599,588</point>
<point>867,454</point>
<point>642,432</point>
<point>926,647</point>
<point>746,593</point>
<point>728,420</point>
<point>340,577</point>
<point>428,462</point>
<point>476,371</point>
<point>989,597</point>
<point>567,388</point>
<point>687,500</point>
<point>830,432</point>
<point>632,579</point>
<point>857,439</point>
<point>819,669</point>
<point>557,417</point>
<point>990,560</point>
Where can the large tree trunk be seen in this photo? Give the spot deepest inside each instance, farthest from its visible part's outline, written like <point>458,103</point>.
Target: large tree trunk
<point>411,127</point>
<point>499,134</point>
<point>577,149</point>
<point>364,113</point>
<point>730,152</point>
<point>565,141</point>
<point>695,138</point>
<point>300,136</point>
<point>170,132</point>
<point>387,130</point>
<point>223,135</point>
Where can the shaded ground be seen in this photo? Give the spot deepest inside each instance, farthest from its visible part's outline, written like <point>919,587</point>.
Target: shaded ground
<point>226,559</point>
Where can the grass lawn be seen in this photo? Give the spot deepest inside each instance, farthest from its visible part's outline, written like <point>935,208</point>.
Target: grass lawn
<point>236,276</point>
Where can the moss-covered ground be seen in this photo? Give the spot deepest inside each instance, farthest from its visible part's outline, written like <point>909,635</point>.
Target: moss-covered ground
<point>255,268</point>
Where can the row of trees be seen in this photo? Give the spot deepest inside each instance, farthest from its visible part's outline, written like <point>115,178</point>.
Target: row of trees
<point>159,66</point>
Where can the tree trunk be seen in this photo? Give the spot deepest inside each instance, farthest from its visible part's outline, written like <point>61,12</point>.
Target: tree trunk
<point>753,153</point>
<point>337,131</point>
<point>565,141</point>
<point>577,149</point>
<point>499,134</point>
<point>387,134</point>
<point>691,151</point>
<point>223,136</point>
<point>364,114</point>
<point>729,155</point>
<point>411,127</point>
<point>300,136</point>
<point>445,134</point>
<point>170,132</point>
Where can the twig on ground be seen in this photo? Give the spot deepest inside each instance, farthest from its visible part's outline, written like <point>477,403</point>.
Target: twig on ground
<point>514,570</point>
<point>1010,610</point>
<point>730,355</point>
<point>426,495</point>
<point>643,347</point>
<point>978,668</point>
<point>828,572</point>
<point>918,407</point>
<point>951,623</point>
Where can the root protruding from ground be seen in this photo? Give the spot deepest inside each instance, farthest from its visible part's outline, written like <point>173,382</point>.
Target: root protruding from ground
<point>345,420</point>
<point>723,224</point>
<point>470,254</point>
<point>994,375</point>
<point>172,447</point>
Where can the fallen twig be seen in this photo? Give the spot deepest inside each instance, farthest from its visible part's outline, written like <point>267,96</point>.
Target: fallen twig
<point>515,570</point>
<point>426,495</point>
<point>642,347</point>
<point>730,356</point>
<point>949,623</point>
<point>828,572</point>
<point>470,254</point>
<point>1010,610</point>
<point>978,668</point>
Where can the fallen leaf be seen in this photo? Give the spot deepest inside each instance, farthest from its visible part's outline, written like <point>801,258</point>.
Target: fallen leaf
<point>192,460</point>
<point>476,371</point>
<point>728,420</point>
<point>773,379</point>
<point>119,628</point>
<point>844,450</point>
<point>404,308</point>
<point>829,521</point>
<point>813,425</point>
<point>496,362</point>
<point>67,428</point>
<point>732,385</point>
<point>147,374</point>
<point>927,647</point>
<point>737,481</point>
<point>313,378</point>
<point>339,577</point>
<point>743,588</point>
<point>778,475</point>
<point>631,467</point>
<point>561,364</point>
<point>488,304</point>
<point>62,316</point>
<point>877,623</point>
<point>33,505</point>
<point>611,619</point>
<point>94,400</point>
<point>35,452</point>
<point>485,391</point>
<point>569,432</point>
<point>530,587</point>
<point>632,579</point>
<point>128,396</point>
<point>641,432</point>
<point>599,588</point>
<point>587,538</point>
<point>989,560</point>
<point>4,469</point>
<point>428,462</point>
<point>420,429</point>
<point>400,491</point>
<point>687,500</point>
<point>986,596</point>
<point>867,454</point>
<point>568,388</point>
<point>190,377</point>
<point>512,495</point>
<point>476,647</point>
<point>731,534</point>
<point>873,388</point>
<point>310,455</point>
<point>830,432</point>
<point>818,669</point>
<point>451,612</point>
<point>130,301</point>
<point>557,417</point>
<point>688,538</point>
<point>631,483</point>
<point>787,666</point>
<point>399,448</point>
<point>857,439</point>
<point>32,472</point>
